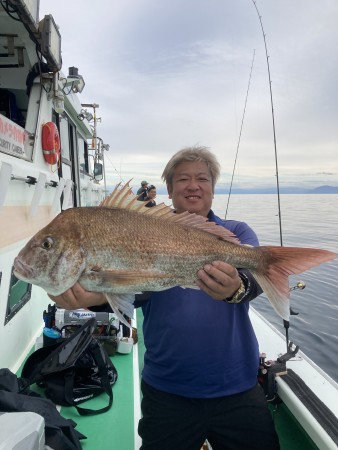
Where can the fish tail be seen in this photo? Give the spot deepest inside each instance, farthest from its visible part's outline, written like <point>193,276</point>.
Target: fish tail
<point>279,264</point>
<point>122,304</point>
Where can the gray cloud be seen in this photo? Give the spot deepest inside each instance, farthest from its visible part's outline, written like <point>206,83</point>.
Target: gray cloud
<point>169,74</point>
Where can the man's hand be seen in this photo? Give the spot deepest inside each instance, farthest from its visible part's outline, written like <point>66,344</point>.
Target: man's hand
<point>76,297</point>
<point>219,280</point>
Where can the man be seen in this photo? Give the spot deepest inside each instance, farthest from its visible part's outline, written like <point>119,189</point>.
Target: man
<point>200,369</point>
<point>142,191</point>
<point>150,198</point>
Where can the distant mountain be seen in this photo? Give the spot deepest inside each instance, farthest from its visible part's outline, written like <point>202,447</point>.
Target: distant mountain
<point>324,190</point>
<point>161,190</point>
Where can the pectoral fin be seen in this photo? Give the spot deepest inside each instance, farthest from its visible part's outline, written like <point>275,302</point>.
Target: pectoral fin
<point>121,304</point>
<point>122,277</point>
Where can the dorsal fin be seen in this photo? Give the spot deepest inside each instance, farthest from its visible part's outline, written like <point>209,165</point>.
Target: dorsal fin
<point>123,198</point>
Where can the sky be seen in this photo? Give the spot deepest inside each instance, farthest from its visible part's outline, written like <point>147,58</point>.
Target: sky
<point>174,73</point>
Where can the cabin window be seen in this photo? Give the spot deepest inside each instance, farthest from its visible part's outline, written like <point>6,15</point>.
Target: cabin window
<point>83,155</point>
<point>13,105</point>
<point>19,294</point>
<point>64,138</point>
<point>14,139</point>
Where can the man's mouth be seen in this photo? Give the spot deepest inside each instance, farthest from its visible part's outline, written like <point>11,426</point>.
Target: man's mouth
<point>192,197</point>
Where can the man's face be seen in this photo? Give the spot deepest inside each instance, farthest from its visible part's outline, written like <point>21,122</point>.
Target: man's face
<point>191,188</point>
<point>152,193</point>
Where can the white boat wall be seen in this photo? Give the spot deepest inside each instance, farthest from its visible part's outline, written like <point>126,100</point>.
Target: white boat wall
<point>308,393</point>
<point>36,96</point>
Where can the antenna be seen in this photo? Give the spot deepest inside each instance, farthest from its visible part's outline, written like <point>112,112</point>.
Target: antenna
<point>239,138</point>
<point>273,125</point>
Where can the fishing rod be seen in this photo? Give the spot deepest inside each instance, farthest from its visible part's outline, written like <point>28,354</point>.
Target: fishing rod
<point>273,125</point>
<point>290,351</point>
<point>114,168</point>
<point>240,135</point>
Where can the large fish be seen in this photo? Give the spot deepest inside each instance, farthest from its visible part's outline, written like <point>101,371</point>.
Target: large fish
<point>121,247</point>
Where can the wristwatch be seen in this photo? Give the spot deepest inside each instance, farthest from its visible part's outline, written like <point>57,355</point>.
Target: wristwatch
<point>238,295</point>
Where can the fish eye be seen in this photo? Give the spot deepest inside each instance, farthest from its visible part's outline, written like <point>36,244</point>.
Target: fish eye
<point>47,243</point>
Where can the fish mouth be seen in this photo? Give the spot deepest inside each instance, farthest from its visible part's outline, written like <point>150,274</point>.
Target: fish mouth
<point>22,271</point>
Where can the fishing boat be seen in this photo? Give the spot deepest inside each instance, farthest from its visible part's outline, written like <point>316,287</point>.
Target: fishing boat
<point>51,159</point>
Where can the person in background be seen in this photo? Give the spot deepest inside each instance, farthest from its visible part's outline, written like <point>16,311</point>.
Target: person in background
<point>142,191</point>
<point>199,380</point>
<point>151,195</point>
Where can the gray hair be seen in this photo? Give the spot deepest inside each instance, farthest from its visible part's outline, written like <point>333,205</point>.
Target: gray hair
<point>194,154</point>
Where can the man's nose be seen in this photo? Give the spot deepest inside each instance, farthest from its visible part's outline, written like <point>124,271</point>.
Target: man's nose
<point>193,184</point>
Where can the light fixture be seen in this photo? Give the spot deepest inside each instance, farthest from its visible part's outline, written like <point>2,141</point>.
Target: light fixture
<point>84,114</point>
<point>57,96</point>
<point>58,103</point>
<point>105,147</point>
<point>50,42</point>
<point>75,80</point>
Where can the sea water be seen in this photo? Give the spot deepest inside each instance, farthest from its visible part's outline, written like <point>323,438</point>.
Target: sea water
<point>306,221</point>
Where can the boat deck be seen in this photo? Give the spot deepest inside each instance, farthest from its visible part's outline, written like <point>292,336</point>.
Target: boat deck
<point>117,428</point>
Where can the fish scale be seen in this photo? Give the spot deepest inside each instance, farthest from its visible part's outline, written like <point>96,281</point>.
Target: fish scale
<point>121,248</point>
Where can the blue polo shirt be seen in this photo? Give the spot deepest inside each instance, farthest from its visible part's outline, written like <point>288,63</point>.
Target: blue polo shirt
<point>196,346</point>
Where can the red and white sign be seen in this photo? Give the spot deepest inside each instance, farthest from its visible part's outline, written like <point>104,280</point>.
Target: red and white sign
<point>13,139</point>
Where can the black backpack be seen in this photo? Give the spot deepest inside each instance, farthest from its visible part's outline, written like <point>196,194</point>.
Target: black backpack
<point>73,370</point>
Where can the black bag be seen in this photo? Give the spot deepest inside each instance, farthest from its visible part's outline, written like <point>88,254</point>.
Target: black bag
<point>15,396</point>
<point>74,370</point>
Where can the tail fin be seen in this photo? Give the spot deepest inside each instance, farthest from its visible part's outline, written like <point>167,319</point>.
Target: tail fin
<point>282,262</point>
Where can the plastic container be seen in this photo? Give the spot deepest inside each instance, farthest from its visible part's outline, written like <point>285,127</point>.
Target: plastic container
<point>125,345</point>
<point>22,431</point>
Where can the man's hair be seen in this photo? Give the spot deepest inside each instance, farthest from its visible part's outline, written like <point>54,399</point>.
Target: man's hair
<point>194,154</point>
